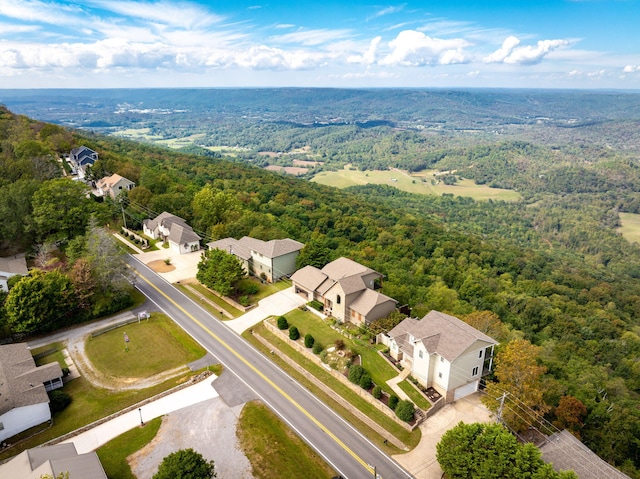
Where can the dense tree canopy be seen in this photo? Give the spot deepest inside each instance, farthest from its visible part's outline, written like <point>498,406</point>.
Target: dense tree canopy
<point>185,464</point>
<point>220,271</point>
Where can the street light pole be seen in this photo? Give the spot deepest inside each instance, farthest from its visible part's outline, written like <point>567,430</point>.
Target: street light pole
<point>140,411</point>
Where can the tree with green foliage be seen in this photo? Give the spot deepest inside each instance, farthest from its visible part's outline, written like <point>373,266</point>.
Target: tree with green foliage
<point>365,381</point>
<point>185,464</point>
<point>294,334</point>
<point>488,451</point>
<point>308,340</point>
<point>405,410</point>
<point>212,207</point>
<point>393,401</point>
<point>316,252</point>
<point>40,302</point>
<point>355,373</point>
<point>282,323</point>
<point>220,271</point>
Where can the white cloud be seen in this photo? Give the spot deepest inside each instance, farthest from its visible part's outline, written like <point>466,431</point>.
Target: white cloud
<point>412,48</point>
<point>631,69</point>
<point>369,56</point>
<point>7,28</point>
<point>387,11</point>
<point>511,53</point>
<point>40,12</point>
<point>312,37</point>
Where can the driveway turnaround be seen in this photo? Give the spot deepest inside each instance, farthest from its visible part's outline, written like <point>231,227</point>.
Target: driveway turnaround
<point>97,436</point>
<point>275,305</point>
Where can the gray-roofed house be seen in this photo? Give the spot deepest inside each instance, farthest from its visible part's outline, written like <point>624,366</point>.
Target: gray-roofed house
<point>269,260</point>
<point>347,290</point>
<point>52,461</point>
<point>82,157</point>
<point>24,402</point>
<point>12,266</point>
<point>174,230</point>
<point>442,352</point>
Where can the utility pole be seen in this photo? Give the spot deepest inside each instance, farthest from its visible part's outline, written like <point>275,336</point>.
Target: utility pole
<point>499,414</point>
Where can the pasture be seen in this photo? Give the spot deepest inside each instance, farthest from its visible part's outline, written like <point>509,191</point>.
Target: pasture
<point>424,182</point>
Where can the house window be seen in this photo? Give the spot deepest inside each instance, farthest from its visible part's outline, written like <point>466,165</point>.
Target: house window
<point>338,299</point>
<point>441,359</point>
<point>480,355</point>
<point>440,375</point>
<point>475,371</point>
<point>420,354</point>
<point>1,426</point>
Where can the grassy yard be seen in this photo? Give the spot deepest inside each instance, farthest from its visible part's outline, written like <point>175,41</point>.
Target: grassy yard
<point>113,455</point>
<point>154,346</point>
<point>264,289</point>
<point>211,297</point>
<point>273,449</point>
<point>379,369</point>
<point>418,399</point>
<point>420,182</point>
<point>410,439</point>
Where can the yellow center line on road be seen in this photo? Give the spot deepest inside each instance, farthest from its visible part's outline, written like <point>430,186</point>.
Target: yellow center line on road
<point>259,373</point>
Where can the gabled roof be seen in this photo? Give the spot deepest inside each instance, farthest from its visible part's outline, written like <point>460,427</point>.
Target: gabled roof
<point>182,234</point>
<point>53,460</point>
<point>14,265</point>
<point>273,248</point>
<point>164,219</point>
<point>369,300</point>
<point>21,381</point>
<point>231,246</point>
<point>111,181</point>
<point>344,267</point>
<point>440,333</point>
<point>309,278</point>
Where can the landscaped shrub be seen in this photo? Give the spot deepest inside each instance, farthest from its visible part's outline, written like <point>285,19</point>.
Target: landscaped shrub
<point>339,344</point>
<point>294,334</point>
<point>393,401</point>
<point>355,373</point>
<point>244,300</point>
<point>308,341</point>
<point>283,323</point>
<point>250,288</point>
<point>377,392</point>
<point>58,400</point>
<point>317,348</point>
<point>405,410</point>
<point>365,381</point>
<point>317,305</point>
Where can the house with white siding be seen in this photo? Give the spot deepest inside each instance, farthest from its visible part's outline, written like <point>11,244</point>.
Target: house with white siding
<point>173,230</point>
<point>442,352</point>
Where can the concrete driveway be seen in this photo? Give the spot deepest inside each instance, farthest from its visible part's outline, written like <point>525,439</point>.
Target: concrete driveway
<point>275,305</point>
<point>421,461</point>
<point>186,265</point>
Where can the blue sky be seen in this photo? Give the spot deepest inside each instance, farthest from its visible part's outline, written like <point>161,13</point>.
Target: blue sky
<point>130,44</point>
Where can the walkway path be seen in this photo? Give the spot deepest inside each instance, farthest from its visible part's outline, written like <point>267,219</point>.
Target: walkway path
<point>393,383</point>
<point>97,436</point>
<point>275,305</point>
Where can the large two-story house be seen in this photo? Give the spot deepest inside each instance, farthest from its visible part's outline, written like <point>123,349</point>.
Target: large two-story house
<point>269,260</point>
<point>113,185</point>
<point>174,230</point>
<point>347,289</point>
<point>82,157</point>
<point>442,352</point>
<point>24,402</point>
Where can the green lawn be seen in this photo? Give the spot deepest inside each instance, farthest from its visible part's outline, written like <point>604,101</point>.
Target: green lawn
<point>411,439</point>
<point>113,455</point>
<point>630,228</point>
<point>420,182</point>
<point>379,369</point>
<point>154,346</point>
<point>273,449</point>
<point>415,396</point>
<point>211,297</point>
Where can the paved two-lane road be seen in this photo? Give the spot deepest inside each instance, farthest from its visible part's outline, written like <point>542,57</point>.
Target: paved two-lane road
<point>344,448</point>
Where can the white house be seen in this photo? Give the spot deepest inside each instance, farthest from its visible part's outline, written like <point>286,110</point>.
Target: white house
<point>12,266</point>
<point>347,290</point>
<point>174,230</point>
<point>442,352</point>
<point>270,260</point>
<point>113,185</point>
<point>52,461</point>
<point>24,402</point>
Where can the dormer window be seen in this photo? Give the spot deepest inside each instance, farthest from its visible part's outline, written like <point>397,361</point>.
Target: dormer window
<point>338,299</point>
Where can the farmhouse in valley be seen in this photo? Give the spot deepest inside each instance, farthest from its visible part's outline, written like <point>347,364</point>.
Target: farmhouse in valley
<point>442,352</point>
<point>269,260</point>
<point>347,290</point>
<point>11,266</point>
<point>174,230</point>
<point>24,402</point>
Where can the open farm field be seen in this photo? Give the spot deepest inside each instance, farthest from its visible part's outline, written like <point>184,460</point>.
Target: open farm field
<point>137,134</point>
<point>420,183</point>
<point>630,228</point>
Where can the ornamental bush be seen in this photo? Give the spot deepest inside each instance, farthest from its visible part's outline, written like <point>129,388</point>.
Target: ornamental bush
<point>377,392</point>
<point>58,400</point>
<point>317,348</point>
<point>308,341</point>
<point>283,323</point>
<point>405,410</point>
<point>355,373</point>
<point>365,381</point>
<point>294,334</point>
<point>393,401</point>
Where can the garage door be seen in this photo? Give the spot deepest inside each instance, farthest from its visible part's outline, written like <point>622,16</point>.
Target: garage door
<point>465,390</point>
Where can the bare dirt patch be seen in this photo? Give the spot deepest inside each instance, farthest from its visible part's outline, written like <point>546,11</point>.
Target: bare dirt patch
<point>159,266</point>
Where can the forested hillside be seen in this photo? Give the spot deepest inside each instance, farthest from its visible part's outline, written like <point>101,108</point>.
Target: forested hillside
<point>551,269</point>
